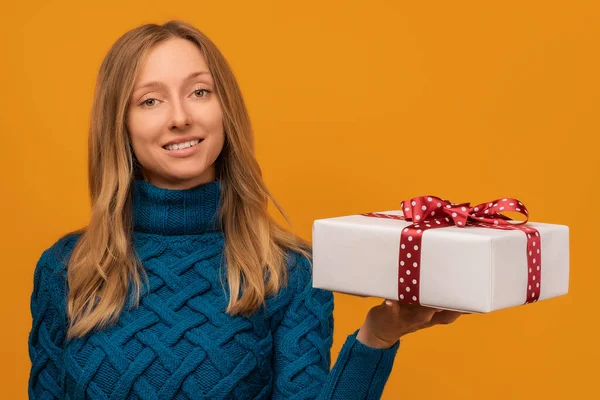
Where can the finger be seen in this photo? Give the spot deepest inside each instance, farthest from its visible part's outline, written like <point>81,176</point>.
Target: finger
<point>417,314</point>
<point>414,313</point>
<point>445,317</point>
<point>392,306</point>
<point>419,307</point>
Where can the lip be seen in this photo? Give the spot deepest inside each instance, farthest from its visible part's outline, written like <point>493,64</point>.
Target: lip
<point>183,140</point>
<point>180,153</point>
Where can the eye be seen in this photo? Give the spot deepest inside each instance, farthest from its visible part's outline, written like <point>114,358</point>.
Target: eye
<point>197,92</point>
<point>149,102</point>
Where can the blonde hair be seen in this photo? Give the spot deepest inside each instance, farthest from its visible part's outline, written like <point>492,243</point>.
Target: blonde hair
<point>103,262</point>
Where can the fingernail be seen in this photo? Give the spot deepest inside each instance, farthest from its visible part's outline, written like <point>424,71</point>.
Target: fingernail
<point>388,302</point>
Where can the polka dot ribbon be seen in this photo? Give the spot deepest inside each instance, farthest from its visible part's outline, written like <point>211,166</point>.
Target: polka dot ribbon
<point>429,212</point>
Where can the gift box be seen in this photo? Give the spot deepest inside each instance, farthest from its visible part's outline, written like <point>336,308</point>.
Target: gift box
<point>440,254</point>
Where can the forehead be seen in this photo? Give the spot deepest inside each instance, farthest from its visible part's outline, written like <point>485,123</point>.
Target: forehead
<point>172,60</point>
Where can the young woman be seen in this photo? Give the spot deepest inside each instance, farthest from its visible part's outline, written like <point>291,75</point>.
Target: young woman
<point>182,286</point>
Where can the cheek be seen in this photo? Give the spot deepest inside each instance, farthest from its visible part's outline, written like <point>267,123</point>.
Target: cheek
<point>212,124</point>
<point>214,145</point>
<point>219,134</point>
<point>143,133</point>
<point>210,117</point>
<point>143,129</point>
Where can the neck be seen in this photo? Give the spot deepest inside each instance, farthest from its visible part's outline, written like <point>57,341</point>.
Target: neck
<point>166,211</point>
<point>207,176</point>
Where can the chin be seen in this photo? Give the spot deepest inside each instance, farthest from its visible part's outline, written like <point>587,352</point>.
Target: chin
<point>191,175</point>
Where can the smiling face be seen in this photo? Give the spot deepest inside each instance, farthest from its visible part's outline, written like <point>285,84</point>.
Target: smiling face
<point>175,121</point>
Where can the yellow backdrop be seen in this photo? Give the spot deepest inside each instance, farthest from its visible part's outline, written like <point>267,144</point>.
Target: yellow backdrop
<point>356,105</point>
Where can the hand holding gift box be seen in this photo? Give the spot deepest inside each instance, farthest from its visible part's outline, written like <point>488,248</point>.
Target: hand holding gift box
<point>443,255</point>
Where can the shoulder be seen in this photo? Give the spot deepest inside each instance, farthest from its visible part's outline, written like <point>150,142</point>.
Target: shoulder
<point>51,269</point>
<point>297,300</point>
<point>300,273</point>
<point>299,268</point>
<point>58,254</point>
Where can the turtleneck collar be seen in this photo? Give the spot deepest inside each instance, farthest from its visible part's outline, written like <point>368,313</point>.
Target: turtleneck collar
<point>175,211</point>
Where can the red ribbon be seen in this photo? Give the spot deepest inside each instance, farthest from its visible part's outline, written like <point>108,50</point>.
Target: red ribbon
<point>429,212</point>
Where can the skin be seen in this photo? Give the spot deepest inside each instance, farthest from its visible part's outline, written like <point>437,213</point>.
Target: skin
<point>389,321</point>
<point>179,107</point>
<point>175,109</point>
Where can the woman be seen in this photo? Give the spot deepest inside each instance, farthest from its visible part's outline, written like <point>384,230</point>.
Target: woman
<point>182,286</point>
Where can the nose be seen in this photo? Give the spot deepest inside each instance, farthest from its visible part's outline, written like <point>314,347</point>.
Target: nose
<point>180,117</point>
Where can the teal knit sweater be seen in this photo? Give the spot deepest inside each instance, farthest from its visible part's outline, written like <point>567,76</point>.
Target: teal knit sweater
<point>179,343</point>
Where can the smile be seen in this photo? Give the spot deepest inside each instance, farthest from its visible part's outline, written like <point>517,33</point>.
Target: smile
<point>184,145</point>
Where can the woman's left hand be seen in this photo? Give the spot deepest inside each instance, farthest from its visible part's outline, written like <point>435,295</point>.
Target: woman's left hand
<point>387,322</point>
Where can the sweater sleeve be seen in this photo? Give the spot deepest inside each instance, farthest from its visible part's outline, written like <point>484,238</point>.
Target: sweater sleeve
<point>47,332</point>
<point>302,346</point>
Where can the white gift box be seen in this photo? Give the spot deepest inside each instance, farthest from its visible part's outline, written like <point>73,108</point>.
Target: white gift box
<point>470,269</point>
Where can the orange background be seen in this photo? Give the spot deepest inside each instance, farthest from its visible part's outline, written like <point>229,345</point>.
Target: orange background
<point>356,105</point>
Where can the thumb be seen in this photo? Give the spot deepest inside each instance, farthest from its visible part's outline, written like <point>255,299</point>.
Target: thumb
<point>393,305</point>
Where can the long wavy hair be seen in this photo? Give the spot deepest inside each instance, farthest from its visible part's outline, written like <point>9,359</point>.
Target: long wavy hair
<point>103,263</point>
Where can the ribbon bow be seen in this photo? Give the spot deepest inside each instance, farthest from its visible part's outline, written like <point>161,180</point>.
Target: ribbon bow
<point>429,212</point>
<point>426,208</point>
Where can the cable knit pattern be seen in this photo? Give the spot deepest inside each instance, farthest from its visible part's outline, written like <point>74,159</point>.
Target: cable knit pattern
<point>179,343</point>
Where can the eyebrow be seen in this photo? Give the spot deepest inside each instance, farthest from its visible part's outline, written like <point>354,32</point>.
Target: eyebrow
<point>158,83</point>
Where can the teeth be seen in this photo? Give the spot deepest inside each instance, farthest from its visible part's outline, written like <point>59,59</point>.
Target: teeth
<point>183,145</point>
